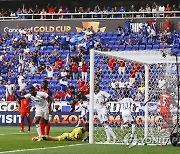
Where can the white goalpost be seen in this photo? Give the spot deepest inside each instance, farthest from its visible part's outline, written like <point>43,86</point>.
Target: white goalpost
<point>156,65</point>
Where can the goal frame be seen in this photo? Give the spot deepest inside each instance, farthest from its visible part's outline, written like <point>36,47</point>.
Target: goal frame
<point>127,55</point>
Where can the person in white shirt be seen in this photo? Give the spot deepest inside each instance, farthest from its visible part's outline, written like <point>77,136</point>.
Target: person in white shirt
<point>127,106</point>
<point>50,72</point>
<point>83,109</point>
<point>20,77</point>
<point>9,89</point>
<point>100,100</point>
<point>161,9</point>
<point>41,105</point>
<point>22,85</point>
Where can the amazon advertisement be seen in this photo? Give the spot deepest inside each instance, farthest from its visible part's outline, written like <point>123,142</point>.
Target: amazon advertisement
<point>12,118</point>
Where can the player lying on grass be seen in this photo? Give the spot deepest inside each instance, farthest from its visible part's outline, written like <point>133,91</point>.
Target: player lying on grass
<point>76,135</point>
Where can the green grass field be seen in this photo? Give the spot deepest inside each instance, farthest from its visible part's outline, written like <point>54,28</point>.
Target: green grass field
<point>11,141</point>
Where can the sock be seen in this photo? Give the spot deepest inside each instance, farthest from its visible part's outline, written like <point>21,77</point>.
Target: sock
<point>79,121</point>
<point>111,132</point>
<point>133,129</point>
<point>107,132</point>
<point>22,125</point>
<point>42,125</point>
<point>29,124</point>
<point>47,127</point>
<point>38,129</point>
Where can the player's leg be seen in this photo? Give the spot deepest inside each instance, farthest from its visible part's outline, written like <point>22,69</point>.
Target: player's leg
<point>46,121</point>
<point>125,120</point>
<point>28,120</point>
<point>22,122</point>
<point>37,120</point>
<point>64,136</point>
<point>109,132</point>
<point>169,123</point>
<point>42,126</point>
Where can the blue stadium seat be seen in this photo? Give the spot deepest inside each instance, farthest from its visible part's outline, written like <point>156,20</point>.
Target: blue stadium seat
<point>57,47</point>
<point>50,47</point>
<point>135,47</point>
<point>128,47</point>
<point>121,47</point>
<point>66,108</point>
<point>46,34</point>
<point>148,47</point>
<point>142,47</point>
<point>155,46</point>
<point>37,76</point>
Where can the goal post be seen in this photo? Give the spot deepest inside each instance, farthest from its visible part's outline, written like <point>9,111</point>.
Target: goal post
<point>155,64</point>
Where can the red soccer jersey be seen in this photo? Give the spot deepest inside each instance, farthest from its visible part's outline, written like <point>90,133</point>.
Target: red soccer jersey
<point>84,68</point>
<point>75,68</point>
<point>164,105</point>
<point>24,105</point>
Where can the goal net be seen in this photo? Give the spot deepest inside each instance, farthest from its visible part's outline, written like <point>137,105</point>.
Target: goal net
<point>143,76</point>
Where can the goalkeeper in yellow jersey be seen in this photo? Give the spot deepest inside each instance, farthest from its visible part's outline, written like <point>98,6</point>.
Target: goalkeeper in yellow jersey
<point>76,135</point>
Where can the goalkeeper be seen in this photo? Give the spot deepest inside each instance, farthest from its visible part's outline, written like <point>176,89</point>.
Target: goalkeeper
<point>76,135</point>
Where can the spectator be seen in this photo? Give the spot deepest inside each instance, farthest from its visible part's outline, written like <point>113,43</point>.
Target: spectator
<point>111,65</point>
<point>50,72</point>
<point>122,64</point>
<point>60,12</point>
<point>168,8</point>
<point>161,82</point>
<point>167,25</point>
<point>9,89</point>
<point>43,14</point>
<point>113,84</point>
<point>57,95</point>
<point>22,85</point>
<point>75,70</point>
<point>80,83</point>
<point>161,9</point>
<point>84,68</point>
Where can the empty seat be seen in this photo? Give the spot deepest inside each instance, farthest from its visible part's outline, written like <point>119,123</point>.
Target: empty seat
<point>142,47</point>
<point>155,46</point>
<point>128,47</point>
<point>135,47</point>
<point>148,47</point>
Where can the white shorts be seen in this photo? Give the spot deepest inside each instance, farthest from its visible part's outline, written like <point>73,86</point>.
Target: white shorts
<point>42,113</point>
<point>127,117</point>
<point>103,115</point>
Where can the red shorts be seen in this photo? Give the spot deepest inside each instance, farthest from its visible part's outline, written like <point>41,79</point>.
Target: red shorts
<point>166,116</point>
<point>27,114</point>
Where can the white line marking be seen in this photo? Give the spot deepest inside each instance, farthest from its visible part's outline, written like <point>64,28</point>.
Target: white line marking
<point>18,133</point>
<point>41,148</point>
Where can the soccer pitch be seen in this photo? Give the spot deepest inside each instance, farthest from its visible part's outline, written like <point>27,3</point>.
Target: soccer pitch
<point>11,141</point>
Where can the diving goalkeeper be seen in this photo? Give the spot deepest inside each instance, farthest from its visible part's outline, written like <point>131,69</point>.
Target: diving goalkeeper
<point>76,135</point>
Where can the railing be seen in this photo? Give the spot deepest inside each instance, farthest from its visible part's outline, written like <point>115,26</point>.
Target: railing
<point>99,15</point>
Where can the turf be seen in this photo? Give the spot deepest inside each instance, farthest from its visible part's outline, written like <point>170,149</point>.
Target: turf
<point>11,141</point>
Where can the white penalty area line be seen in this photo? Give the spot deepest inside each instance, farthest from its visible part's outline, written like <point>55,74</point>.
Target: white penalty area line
<point>17,133</point>
<point>36,149</point>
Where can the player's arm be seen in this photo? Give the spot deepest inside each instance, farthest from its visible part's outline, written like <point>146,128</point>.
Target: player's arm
<point>106,96</point>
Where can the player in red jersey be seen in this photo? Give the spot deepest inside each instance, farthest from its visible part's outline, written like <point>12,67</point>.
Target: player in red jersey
<point>45,129</point>
<point>24,110</point>
<point>164,107</point>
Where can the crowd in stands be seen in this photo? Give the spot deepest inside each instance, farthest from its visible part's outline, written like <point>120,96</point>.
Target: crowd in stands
<point>42,10</point>
<point>28,58</point>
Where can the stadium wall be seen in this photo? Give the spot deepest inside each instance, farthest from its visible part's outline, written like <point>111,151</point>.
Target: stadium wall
<point>75,25</point>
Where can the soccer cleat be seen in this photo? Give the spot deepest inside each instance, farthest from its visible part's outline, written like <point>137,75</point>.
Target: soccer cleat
<point>21,131</point>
